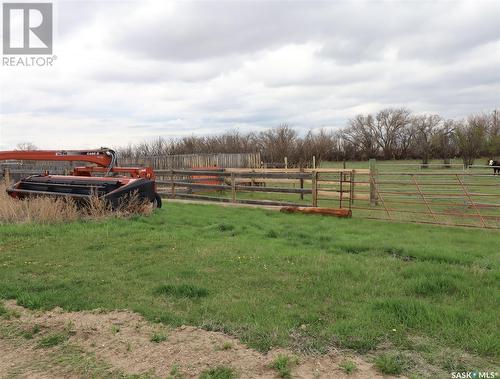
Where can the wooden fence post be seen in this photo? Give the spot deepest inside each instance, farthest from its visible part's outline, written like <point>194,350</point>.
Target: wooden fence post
<point>314,162</point>
<point>172,183</point>
<point>314,182</point>
<point>6,176</point>
<point>233,188</point>
<point>351,188</point>
<point>373,182</point>
<point>286,163</point>
<point>301,183</point>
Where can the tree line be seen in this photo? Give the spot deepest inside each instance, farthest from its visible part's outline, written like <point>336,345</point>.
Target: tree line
<point>399,134</point>
<point>391,133</point>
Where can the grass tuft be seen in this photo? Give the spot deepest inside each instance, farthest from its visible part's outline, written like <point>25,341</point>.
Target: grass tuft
<point>283,364</point>
<point>158,337</point>
<point>29,334</point>
<point>52,340</point>
<point>409,312</point>
<point>354,249</point>
<point>435,286</point>
<point>220,372</point>
<point>3,311</point>
<point>399,254</point>
<point>271,234</point>
<point>389,364</point>
<point>225,227</point>
<point>183,290</point>
<point>175,372</point>
<point>225,346</point>
<point>7,313</point>
<point>348,366</point>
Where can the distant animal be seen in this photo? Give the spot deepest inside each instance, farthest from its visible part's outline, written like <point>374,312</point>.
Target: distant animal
<point>496,166</point>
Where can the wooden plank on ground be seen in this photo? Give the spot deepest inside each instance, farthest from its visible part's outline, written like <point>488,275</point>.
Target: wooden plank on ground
<point>337,212</point>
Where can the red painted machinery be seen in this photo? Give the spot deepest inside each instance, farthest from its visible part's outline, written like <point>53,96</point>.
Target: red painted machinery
<point>103,179</point>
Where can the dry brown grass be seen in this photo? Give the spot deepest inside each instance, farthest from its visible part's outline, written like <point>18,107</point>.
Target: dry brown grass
<point>47,210</point>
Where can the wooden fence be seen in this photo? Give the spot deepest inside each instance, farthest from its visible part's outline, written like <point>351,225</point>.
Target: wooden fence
<point>432,195</point>
<point>187,161</point>
<point>291,187</point>
<point>36,166</point>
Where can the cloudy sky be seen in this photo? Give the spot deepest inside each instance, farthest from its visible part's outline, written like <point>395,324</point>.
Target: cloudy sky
<point>127,71</point>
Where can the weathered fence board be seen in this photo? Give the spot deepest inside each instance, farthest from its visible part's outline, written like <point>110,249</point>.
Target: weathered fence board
<point>244,160</point>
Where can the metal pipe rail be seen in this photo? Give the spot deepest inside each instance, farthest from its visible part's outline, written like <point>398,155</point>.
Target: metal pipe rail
<point>493,217</point>
<point>461,173</point>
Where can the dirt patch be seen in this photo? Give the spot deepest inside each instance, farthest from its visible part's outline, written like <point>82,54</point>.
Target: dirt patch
<point>122,341</point>
<point>13,360</point>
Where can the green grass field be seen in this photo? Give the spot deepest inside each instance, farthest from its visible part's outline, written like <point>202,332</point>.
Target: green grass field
<point>430,295</point>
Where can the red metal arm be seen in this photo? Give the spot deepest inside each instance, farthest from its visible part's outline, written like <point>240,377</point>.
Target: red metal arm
<point>105,158</point>
<point>101,157</point>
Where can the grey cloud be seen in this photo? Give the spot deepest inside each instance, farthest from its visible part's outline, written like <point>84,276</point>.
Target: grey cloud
<point>76,15</point>
<point>454,31</point>
<point>165,71</point>
<point>348,32</point>
<point>206,67</point>
<point>209,29</point>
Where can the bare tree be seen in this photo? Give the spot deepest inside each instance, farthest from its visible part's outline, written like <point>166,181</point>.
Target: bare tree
<point>320,144</point>
<point>389,129</point>
<point>26,146</point>
<point>405,146</point>
<point>278,143</point>
<point>470,138</point>
<point>360,133</point>
<point>425,127</point>
<point>494,134</point>
<point>443,142</point>
<point>346,149</point>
